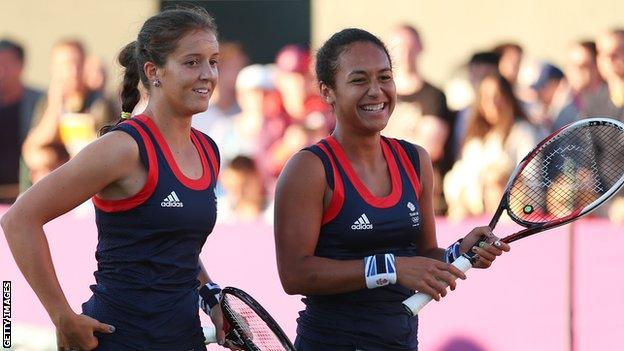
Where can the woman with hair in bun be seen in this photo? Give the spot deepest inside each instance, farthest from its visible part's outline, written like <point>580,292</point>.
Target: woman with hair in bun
<point>152,179</point>
<point>354,221</point>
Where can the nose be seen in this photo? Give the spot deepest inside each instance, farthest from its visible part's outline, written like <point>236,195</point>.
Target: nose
<point>374,89</point>
<point>209,72</point>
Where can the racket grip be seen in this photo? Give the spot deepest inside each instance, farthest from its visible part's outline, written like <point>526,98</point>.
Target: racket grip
<point>210,334</point>
<point>414,304</point>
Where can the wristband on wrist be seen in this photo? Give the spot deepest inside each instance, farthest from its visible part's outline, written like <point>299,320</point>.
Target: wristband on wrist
<point>209,296</point>
<point>379,270</point>
<point>453,252</point>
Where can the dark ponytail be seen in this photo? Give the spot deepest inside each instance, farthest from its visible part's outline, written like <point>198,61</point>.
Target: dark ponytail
<point>130,94</point>
<point>157,38</point>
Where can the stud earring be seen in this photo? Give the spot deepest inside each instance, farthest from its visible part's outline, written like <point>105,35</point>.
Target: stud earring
<point>157,83</point>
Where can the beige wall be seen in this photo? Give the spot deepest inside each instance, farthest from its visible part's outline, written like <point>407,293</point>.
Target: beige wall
<point>453,29</point>
<point>104,26</point>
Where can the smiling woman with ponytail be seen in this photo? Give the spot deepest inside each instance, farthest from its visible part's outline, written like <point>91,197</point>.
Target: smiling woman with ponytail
<point>151,178</point>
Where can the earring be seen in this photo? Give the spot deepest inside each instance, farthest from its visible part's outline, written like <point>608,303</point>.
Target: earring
<point>157,83</point>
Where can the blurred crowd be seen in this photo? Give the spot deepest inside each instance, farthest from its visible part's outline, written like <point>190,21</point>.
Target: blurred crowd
<point>476,128</point>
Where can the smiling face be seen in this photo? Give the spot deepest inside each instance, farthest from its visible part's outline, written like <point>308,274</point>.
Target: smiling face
<point>364,94</point>
<point>189,75</point>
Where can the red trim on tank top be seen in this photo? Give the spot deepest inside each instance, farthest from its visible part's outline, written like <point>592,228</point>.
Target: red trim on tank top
<point>200,183</point>
<point>408,166</point>
<point>212,155</point>
<point>337,199</point>
<point>148,187</point>
<point>395,178</point>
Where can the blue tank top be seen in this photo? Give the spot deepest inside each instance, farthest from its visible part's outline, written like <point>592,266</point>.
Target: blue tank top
<point>148,249</point>
<point>358,224</point>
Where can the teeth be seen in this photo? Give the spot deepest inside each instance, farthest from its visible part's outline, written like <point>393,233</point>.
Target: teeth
<point>377,107</point>
<point>201,91</point>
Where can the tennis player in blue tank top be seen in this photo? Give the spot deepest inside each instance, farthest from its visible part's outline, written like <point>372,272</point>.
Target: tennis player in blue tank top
<point>354,222</point>
<point>152,180</point>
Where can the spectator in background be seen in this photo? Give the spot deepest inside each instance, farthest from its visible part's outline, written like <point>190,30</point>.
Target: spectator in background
<point>609,100</point>
<point>481,64</point>
<point>72,115</point>
<point>295,83</point>
<point>296,137</point>
<point>95,75</point>
<point>421,115</point>
<point>498,136</point>
<point>543,112</point>
<point>561,100</point>
<point>582,72</point>
<point>510,60</point>
<point>249,127</point>
<point>297,103</point>
<point>582,82</point>
<point>245,195</point>
<point>217,119</point>
<point>17,104</point>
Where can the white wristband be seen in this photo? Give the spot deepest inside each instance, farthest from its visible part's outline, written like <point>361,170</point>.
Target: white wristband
<point>379,270</point>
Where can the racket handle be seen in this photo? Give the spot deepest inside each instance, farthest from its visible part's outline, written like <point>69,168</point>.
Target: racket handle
<point>210,334</point>
<point>419,300</point>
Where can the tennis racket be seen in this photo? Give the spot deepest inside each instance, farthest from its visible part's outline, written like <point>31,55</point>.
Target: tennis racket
<point>248,325</point>
<point>567,175</point>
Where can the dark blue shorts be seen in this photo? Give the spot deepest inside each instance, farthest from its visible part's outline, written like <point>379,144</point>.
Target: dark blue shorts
<point>136,334</point>
<point>302,344</point>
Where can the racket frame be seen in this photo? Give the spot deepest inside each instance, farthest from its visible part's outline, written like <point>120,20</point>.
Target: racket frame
<point>534,228</point>
<point>416,302</point>
<point>237,334</point>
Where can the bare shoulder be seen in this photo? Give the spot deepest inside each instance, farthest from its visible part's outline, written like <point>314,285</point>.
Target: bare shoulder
<point>119,143</point>
<point>422,153</point>
<point>303,168</point>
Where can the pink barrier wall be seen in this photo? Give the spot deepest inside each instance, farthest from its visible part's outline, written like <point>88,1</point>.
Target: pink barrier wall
<point>521,303</point>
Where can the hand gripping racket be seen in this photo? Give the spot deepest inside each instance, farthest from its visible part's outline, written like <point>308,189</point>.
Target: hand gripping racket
<point>248,325</point>
<point>569,174</point>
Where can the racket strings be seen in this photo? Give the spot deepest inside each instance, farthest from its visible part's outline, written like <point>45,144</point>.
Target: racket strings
<point>253,326</point>
<point>567,174</point>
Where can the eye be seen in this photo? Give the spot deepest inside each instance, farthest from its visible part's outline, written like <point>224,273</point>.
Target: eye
<point>214,62</point>
<point>192,63</point>
<point>358,80</point>
<point>385,78</point>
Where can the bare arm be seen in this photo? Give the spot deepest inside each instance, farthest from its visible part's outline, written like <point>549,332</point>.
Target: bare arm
<point>203,276</point>
<point>298,215</point>
<point>110,159</point>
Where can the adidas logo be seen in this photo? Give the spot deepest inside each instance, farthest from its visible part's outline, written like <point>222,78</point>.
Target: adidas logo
<point>362,223</point>
<point>171,201</point>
